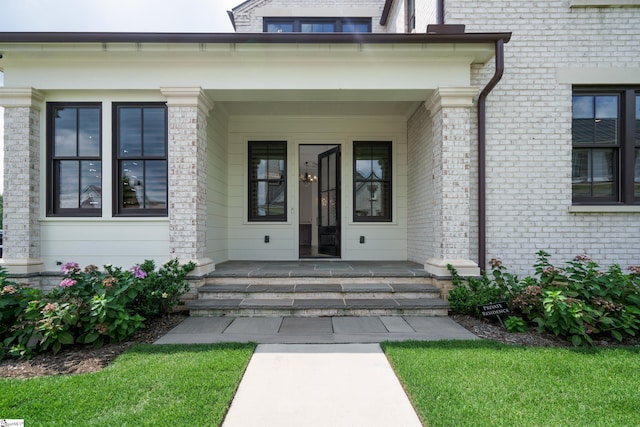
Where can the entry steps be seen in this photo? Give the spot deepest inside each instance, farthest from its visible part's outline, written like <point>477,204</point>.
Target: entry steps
<point>318,297</point>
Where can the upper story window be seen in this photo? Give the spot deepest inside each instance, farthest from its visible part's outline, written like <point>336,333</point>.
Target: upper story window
<point>606,146</point>
<point>317,25</point>
<point>267,181</point>
<point>140,159</point>
<point>74,159</point>
<point>372,181</point>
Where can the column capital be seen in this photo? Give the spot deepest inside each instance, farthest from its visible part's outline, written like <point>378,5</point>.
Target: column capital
<point>187,97</point>
<point>21,97</point>
<point>451,97</point>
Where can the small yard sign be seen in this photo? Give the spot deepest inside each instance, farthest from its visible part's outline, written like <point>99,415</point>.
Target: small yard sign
<point>494,309</point>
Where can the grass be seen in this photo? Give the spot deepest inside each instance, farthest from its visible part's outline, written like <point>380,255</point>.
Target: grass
<point>484,383</point>
<point>149,385</point>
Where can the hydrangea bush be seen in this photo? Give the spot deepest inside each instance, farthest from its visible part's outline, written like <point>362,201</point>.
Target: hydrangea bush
<point>89,306</point>
<point>579,301</point>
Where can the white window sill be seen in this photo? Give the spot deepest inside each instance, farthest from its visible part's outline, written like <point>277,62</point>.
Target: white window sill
<point>604,3</point>
<point>604,209</point>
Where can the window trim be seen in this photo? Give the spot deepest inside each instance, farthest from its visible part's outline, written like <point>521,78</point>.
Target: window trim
<point>275,218</point>
<point>52,187</point>
<point>369,219</point>
<point>625,156</point>
<point>297,22</point>
<point>118,211</point>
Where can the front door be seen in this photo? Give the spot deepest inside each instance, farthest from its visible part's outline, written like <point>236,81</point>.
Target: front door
<point>329,202</point>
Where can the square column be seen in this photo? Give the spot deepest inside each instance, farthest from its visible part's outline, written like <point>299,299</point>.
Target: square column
<point>450,110</point>
<point>188,111</point>
<point>21,211</point>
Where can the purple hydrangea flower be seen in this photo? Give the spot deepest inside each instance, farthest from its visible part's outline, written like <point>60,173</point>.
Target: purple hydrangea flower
<point>138,272</point>
<point>70,267</point>
<point>67,283</point>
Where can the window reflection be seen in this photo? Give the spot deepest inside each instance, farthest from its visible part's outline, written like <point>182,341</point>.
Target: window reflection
<point>372,181</point>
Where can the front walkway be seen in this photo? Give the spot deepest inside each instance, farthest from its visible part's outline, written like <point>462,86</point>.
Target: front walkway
<point>350,385</point>
<point>314,330</point>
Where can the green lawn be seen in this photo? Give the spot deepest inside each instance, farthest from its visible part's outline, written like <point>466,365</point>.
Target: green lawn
<point>148,385</point>
<point>483,383</point>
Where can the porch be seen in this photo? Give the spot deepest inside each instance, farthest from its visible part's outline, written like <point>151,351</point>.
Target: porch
<point>320,288</point>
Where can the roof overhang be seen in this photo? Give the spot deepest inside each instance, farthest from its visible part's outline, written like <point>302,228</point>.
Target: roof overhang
<point>241,69</point>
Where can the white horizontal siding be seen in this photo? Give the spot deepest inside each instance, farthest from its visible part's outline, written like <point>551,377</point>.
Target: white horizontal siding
<point>383,240</point>
<point>120,243</point>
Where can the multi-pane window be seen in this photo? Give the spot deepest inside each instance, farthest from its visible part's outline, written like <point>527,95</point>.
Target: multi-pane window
<point>140,159</point>
<point>317,25</point>
<point>372,181</point>
<point>267,181</point>
<point>74,184</point>
<point>606,146</point>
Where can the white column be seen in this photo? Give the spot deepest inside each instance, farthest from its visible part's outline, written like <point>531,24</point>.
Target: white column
<point>188,111</point>
<point>450,110</point>
<point>21,210</point>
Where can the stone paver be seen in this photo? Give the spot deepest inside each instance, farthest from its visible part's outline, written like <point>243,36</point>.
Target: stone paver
<point>310,330</point>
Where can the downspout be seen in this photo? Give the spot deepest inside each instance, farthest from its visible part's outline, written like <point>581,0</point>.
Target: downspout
<point>440,12</point>
<point>482,142</point>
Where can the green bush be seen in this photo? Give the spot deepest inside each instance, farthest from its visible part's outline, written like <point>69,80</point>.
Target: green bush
<point>578,302</point>
<point>581,301</point>
<point>467,295</point>
<point>88,306</point>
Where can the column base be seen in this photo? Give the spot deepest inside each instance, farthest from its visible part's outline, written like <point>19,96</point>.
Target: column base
<point>22,266</point>
<point>438,267</point>
<point>204,266</point>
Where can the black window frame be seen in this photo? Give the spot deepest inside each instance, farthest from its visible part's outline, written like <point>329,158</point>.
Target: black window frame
<point>388,180</point>
<point>52,173</point>
<point>297,22</point>
<point>624,150</point>
<point>251,181</point>
<point>118,201</point>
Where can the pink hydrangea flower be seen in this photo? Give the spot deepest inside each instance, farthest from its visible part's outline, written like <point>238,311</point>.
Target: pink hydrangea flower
<point>67,283</point>
<point>138,272</point>
<point>69,267</point>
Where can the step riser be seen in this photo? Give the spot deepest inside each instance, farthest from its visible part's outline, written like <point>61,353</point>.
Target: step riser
<point>361,312</point>
<point>314,295</point>
<point>315,280</point>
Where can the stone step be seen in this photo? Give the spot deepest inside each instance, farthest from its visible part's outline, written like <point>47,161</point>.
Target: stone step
<point>317,290</point>
<point>317,307</point>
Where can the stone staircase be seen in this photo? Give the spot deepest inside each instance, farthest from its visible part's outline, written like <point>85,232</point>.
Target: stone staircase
<point>318,297</point>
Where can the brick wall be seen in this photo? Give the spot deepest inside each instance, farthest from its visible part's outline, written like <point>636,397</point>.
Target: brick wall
<point>529,128</point>
<point>248,17</point>
<point>187,182</point>
<point>21,183</point>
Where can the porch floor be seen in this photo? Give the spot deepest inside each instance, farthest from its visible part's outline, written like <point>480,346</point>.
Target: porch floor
<point>319,268</point>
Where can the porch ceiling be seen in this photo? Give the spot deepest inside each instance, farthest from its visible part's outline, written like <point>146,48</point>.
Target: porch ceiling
<point>317,102</point>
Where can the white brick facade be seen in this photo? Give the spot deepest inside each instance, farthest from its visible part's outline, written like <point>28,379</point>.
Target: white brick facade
<point>21,180</point>
<point>248,16</point>
<point>188,110</point>
<point>529,126</point>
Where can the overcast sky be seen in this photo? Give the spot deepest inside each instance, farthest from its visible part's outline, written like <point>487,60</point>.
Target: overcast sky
<point>194,16</point>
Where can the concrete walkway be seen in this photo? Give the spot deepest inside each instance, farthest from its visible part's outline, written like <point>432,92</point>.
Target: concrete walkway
<point>314,330</point>
<point>307,385</point>
<point>319,371</point>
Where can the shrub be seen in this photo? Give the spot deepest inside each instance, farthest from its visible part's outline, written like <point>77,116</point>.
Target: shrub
<point>467,295</point>
<point>581,301</point>
<point>88,306</point>
<point>577,302</point>
<point>162,289</point>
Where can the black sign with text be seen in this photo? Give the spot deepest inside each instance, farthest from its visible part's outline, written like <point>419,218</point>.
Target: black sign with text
<point>494,309</point>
